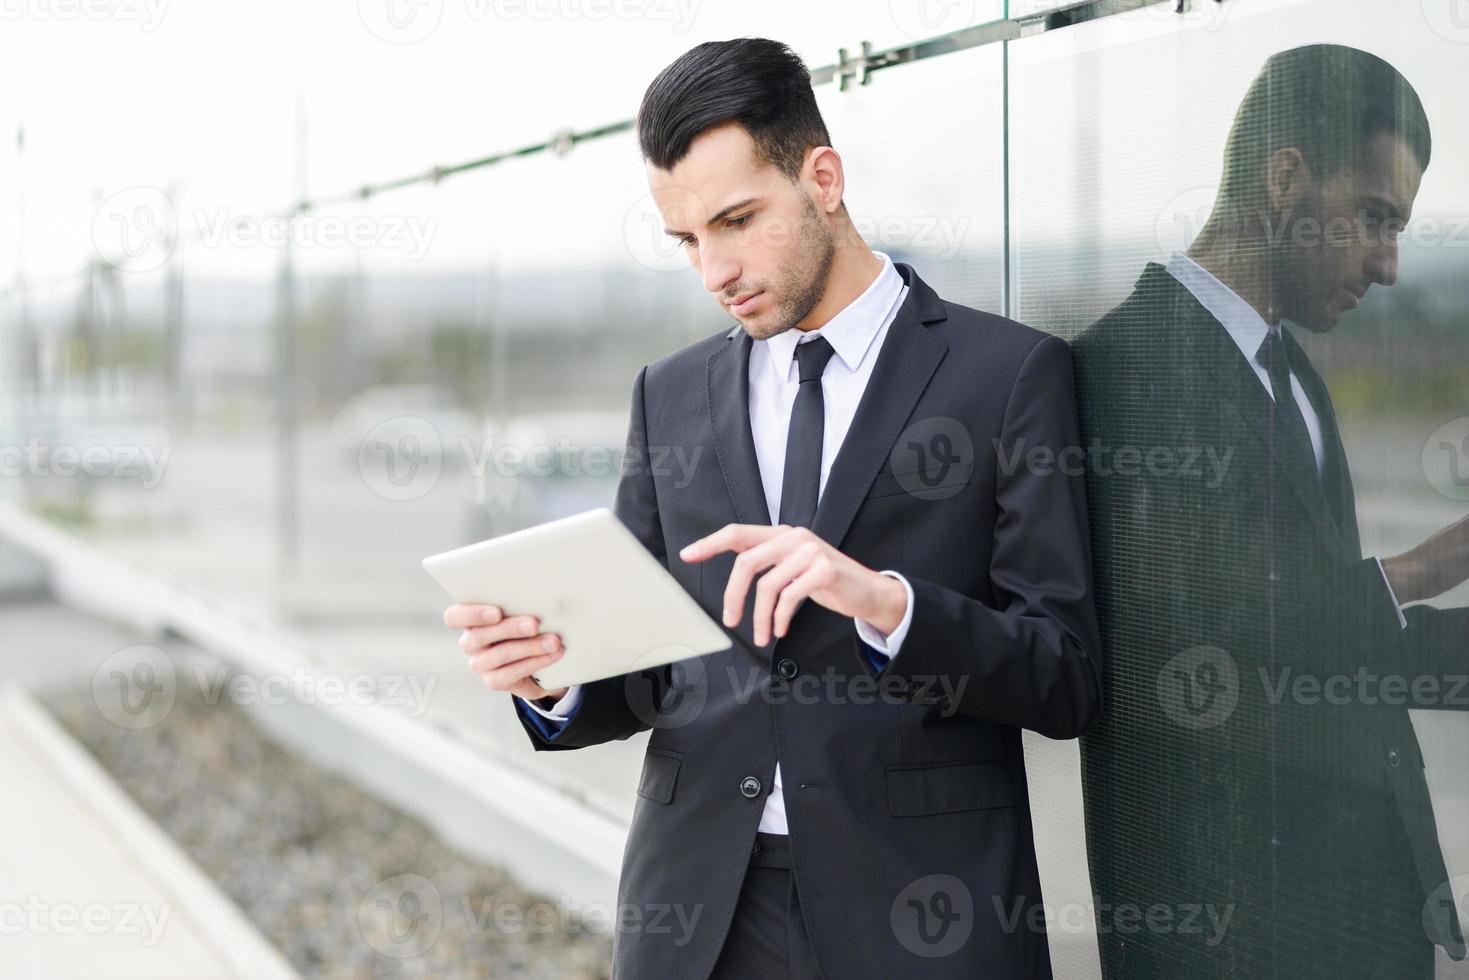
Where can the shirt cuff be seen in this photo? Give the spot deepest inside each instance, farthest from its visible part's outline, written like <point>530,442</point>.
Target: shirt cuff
<point>889,645</point>
<point>550,721</point>
<point>1397,606</point>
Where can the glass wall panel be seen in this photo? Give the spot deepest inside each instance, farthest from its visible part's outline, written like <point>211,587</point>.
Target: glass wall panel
<point>1278,786</point>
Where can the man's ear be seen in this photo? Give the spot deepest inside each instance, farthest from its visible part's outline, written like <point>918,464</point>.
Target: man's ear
<point>1287,179</point>
<point>823,171</point>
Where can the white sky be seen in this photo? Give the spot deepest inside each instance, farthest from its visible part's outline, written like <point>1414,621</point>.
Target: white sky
<point>198,96</point>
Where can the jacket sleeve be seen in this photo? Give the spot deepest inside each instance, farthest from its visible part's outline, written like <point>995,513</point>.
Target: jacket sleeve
<point>617,707</point>
<point>1032,660</point>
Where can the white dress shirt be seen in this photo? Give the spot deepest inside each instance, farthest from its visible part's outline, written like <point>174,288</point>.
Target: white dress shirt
<point>1247,328</point>
<point>856,335</point>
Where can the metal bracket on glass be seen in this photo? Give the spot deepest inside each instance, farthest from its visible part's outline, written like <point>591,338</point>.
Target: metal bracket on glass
<point>561,142</point>
<point>862,67</point>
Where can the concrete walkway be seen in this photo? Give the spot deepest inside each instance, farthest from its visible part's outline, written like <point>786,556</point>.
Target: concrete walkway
<point>90,887</point>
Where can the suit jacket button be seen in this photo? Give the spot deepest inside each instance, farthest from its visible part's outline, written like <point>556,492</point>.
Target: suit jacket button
<point>750,786</point>
<point>1393,758</point>
<point>754,848</point>
<point>787,668</point>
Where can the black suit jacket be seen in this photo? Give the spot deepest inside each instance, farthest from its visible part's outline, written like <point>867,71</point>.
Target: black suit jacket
<point>904,808</point>
<point>1218,777</point>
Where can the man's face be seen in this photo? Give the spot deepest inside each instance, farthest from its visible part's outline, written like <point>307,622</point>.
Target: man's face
<point>761,245</point>
<point>1343,236</point>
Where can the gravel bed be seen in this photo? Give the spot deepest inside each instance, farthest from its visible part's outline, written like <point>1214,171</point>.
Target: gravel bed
<point>344,885</point>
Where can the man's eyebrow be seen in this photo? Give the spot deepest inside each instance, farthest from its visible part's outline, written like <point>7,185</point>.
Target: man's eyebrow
<point>718,217</point>
<point>1385,203</point>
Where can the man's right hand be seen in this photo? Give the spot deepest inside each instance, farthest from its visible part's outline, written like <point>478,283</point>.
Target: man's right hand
<point>1432,568</point>
<point>505,650</point>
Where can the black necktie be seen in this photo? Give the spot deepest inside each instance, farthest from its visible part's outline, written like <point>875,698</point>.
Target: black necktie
<point>1288,422</point>
<point>801,482</point>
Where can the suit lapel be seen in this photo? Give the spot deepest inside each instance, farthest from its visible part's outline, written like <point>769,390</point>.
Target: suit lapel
<point>728,375</point>
<point>909,355</point>
<point>1217,352</point>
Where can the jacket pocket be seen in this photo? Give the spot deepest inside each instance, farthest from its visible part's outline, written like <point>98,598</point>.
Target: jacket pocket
<point>918,480</point>
<point>948,787</point>
<point>660,773</point>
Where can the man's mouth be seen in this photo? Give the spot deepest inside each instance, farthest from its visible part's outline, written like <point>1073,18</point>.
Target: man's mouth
<point>745,302</point>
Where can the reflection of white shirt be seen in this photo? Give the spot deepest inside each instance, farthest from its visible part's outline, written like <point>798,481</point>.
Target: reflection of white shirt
<point>1247,328</point>
<point>856,335</point>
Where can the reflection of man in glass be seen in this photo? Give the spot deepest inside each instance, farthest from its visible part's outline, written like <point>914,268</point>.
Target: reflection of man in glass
<point>1256,800</point>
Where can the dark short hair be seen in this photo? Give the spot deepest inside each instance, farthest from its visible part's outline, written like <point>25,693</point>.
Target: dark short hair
<point>761,84</point>
<point>1326,100</point>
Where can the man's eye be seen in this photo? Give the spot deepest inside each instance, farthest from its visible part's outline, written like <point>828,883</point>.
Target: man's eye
<point>741,221</point>
<point>688,242</point>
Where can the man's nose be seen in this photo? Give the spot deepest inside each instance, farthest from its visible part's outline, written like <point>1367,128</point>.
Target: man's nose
<point>718,268</point>
<point>1383,265</point>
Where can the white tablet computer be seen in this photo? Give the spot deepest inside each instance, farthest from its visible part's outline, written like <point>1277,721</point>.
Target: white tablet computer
<point>615,606</point>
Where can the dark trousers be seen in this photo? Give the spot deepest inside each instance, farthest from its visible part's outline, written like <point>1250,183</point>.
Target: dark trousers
<point>767,938</point>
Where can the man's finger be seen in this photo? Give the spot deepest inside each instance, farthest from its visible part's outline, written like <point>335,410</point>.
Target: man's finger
<point>731,537</point>
<point>772,585</point>
<point>506,677</point>
<point>500,654</point>
<point>750,563</point>
<point>529,690</point>
<point>815,578</point>
<point>476,638</point>
<point>461,616</point>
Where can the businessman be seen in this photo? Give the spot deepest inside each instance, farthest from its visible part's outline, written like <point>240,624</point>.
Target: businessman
<point>904,603</point>
<point>1233,772</point>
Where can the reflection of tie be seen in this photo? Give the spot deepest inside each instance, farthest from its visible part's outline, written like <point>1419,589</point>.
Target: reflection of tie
<point>801,480</point>
<point>1287,421</point>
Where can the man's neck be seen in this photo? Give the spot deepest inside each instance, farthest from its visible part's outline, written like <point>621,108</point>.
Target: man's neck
<point>855,268</point>
<point>1243,269</point>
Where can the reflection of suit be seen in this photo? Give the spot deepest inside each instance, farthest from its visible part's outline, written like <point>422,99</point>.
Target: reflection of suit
<point>1306,820</point>
<point>899,809</point>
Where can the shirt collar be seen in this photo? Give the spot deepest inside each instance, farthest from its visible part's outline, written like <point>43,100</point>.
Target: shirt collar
<point>1241,321</point>
<point>851,331</point>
